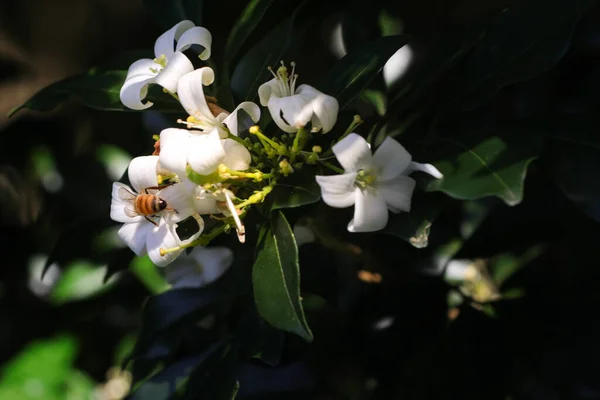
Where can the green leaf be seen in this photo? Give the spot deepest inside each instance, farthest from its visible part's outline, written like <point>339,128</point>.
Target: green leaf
<point>79,281</point>
<point>215,378</point>
<point>356,70</point>
<point>490,163</point>
<point>95,89</point>
<point>415,225</point>
<point>251,71</point>
<point>167,13</point>
<point>290,196</point>
<point>276,279</point>
<point>246,23</point>
<point>518,46</point>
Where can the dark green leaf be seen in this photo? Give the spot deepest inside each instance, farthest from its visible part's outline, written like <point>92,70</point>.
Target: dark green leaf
<point>485,162</point>
<point>215,378</point>
<point>167,13</point>
<point>518,46</point>
<point>276,279</point>
<point>251,16</point>
<point>288,196</point>
<point>95,89</point>
<point>251,71</point>
<point>356,70</point>
<point>415,225</point>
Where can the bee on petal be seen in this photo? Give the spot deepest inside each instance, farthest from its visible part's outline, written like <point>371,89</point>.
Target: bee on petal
<point>143,204</point>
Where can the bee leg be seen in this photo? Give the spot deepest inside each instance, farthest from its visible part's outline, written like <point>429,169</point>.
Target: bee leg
<point>152,222</point>
<point>172,209</point>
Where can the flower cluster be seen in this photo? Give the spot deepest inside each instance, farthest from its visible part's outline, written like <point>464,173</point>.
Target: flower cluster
<point>205,168</point>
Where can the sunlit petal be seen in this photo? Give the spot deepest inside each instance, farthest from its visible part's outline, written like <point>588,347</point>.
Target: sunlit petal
<point>161,237</point>
<point>205,152</point>
<point>353,153</point>
<point>165,44</point>
<point>174,146</point>
<point>338,190</point>
<point>370,212</point>
<point>232,119</point>
<point>118,204</point>
<point>268,89</point>
<point>134,235</point>
<point>196,35</point>
<point>325,108</point>
<point>142,172</point>
<point>134,90</point>
<point>205,202</point>
<point>391,159</point>
<point>180,198</point>
<point>191,92</point>
<point>237,156</point>
<point>427,168</point>
<point>178,66</point>
<point>291,112</point>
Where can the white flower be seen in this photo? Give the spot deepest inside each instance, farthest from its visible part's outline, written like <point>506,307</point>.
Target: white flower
<point>372,183</point>
<point>293,108</point>
<point>206,145</point>
<point>201,267</point>
<point>138,232</point>
<point>169,65</point>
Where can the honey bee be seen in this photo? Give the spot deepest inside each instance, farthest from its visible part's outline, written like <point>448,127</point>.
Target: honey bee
<point>143,204</point>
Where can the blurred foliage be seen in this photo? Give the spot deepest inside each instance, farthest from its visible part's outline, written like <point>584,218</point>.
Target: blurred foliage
<point>501,96</point>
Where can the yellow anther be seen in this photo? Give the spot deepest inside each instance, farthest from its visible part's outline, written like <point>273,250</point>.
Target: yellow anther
<point>155,137</point>
<point>191,119</point>
<point>254,129</point>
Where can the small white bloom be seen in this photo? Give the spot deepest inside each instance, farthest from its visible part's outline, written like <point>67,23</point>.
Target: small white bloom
<point>201,267</point>
<point>169,65</point>
<point>138,233</point>
<point>372,183</point>
<point>293,108</point>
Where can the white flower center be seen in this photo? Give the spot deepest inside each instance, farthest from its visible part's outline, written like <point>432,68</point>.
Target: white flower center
<point>161,62</point>
<point>286,82</point>
<point>365,178</point>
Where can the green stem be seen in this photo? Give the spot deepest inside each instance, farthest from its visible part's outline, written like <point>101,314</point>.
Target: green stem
<point>333,167</point>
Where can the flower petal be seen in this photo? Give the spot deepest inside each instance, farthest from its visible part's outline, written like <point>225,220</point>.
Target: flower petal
<point>391,159</point>
<point>398,192</point>
<point>291,112</point>
<point>325,108</point>
<point>338,190</point>
<point>213,261</point>
<point>237,156</point>
<point>370,212</point>
<point>174,146</point>
<point>165,42</point>
<point>179,197</point>
<point>134,90</point>
<point>205,152</point>
<point>191,93</point>
<point>134,235</point>
<point>142,172</point>
<point>144,67</point>
<point>118,204</point>
<point>232,119</point>
<point>353,153</point>
<point>177,67</point>
<point>427,168</point>
<point>268,89</point>
<point>205,202</point>
<point>196,35</point>
<point>160,237</point>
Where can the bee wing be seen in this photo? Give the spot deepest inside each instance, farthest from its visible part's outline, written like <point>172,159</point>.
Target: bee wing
<point>126,195</point>
<point>130,211</point>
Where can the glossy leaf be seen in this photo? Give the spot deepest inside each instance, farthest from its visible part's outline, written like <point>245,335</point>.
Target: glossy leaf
<point>251,70</point>
<point>276,279</point>
<point>485,163</point>
<point>357,69</point>
<point>288,196</point>
<point>95,89</point>
<point>248,20</point>
<point>167,13</point>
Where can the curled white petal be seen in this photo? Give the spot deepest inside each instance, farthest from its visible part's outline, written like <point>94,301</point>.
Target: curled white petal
<point>164,45</point>
<point>134,90</point>
<point>205,152</point>
<point>391,159</point>
<point>338,190</point>
<point>118,204</point>
<point>324,108</point>
<point>135,234</point>
<point>232,119</point>
<point>196,35</point>
<point>190,90</point>
<point>397,193</point>
<point>237,156</point>
<point>370,212</point>
<point>174,146</point>
<point>353,153</point>
<point>179,197</point>
<point>268,89</point>
<point>427,168</point>
<point>291,112</point>
<point>142,172</point>
<point>161,237</point>
<point>177,66</point>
